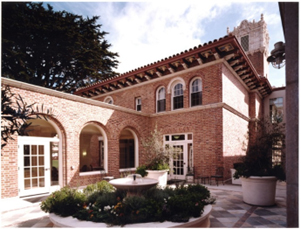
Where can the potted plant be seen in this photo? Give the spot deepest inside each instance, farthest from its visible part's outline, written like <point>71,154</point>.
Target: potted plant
<point>260,168</point>
<point>157,157</point>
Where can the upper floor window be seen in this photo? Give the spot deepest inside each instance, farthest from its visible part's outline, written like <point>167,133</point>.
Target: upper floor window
<point>196,93</point>
<point>244,41</point>
<point>276,110</point>
<point>178,96</point>
<point>161,101</point>
<point>138,104</point>
<point>108,100</point>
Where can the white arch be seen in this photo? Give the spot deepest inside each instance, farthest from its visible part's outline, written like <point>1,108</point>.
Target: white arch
<point>175,81</point>
<point>109,98</point>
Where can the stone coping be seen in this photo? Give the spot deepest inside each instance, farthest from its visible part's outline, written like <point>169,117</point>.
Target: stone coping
<point>69,221</point>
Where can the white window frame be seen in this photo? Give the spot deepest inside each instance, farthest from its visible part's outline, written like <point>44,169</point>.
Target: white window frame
<point>191,90</point>
<point>173,95</point>
<point>158,98</point>
<point>138,102</point>
<point>109,100</point>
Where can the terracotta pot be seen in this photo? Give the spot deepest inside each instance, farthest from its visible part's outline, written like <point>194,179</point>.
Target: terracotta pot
<point>259,191</point>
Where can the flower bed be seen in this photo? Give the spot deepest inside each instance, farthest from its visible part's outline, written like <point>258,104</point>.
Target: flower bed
<point>202,221</point>
<point>101,203</point>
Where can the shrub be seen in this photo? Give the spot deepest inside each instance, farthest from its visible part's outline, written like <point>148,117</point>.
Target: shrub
<point>115,208</point>
<point>64,202</point>
<point>92,191</point>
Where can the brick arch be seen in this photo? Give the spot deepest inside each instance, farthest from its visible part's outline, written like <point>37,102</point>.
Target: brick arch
<point>94,139</point>
<point>130,126</point>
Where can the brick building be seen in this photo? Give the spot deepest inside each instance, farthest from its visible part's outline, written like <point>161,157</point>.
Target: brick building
<point>203,100</point>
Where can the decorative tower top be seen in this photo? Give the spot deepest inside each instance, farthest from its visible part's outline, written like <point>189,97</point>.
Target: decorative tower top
<point>254,38</point>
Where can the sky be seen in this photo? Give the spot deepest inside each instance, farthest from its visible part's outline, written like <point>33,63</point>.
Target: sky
<point>147,31</point>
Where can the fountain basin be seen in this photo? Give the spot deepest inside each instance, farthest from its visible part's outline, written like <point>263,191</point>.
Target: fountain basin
<point>133,187</point>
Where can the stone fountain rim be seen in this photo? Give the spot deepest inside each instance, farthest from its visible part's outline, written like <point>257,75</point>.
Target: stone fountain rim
<point>134,184</point>
<point>73,222</point>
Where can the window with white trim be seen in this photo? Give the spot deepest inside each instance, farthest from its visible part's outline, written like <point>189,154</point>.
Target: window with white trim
<point>108,100</point>
<point>276,110</point>
<point>161,101</point>
<point>178,96</point>
<point>138,104</point>
<point>196,93</point>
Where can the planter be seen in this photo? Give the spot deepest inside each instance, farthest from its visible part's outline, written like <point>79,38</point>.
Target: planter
<point>259,191</point>
<point>202,221</point>
<point>235,181</point>
<point>159,175</point>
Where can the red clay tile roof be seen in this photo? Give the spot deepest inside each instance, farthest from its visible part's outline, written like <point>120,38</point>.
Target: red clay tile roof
<point>226,48</point>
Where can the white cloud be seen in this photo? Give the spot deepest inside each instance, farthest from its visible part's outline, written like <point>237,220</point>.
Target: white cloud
<point>146,32</point>
<point>143,33</point>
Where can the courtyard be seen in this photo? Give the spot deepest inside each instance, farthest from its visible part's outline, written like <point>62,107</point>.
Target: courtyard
<point>229,211</point>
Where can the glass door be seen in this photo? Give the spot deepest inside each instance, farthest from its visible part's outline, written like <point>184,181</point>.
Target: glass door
<point>179,162</point>
<point>34,165</point>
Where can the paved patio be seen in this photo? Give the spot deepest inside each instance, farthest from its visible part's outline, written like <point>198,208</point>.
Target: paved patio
<point>229,210</point>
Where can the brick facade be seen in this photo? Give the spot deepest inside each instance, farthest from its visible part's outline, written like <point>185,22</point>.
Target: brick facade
<point>217,126</point>
<point>232,101</point>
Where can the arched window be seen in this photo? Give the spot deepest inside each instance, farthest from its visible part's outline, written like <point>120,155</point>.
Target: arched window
<point>109,100</point>
<point>161,101</point>
<point>128,148</point>
<point>178,96</point>
<point>92,150</point>
<point>196,93</point>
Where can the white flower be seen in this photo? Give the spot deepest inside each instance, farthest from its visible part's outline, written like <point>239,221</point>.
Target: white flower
<point>99,209</point>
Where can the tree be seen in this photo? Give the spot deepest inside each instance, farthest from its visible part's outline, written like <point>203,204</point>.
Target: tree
<point>58,50</point>
<point>15,115</point>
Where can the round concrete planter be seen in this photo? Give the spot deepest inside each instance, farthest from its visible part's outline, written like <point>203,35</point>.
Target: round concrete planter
<point>202,221</point>
<point>159,175</point>
<point>259,191</point>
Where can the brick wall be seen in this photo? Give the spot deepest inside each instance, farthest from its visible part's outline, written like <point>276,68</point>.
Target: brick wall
<point>212,90</point>
<point>258,60</point>
<point>210,124</point>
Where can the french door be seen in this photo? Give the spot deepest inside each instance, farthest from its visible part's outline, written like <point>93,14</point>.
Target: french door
<point>34,170</point>
<point>179,167</point>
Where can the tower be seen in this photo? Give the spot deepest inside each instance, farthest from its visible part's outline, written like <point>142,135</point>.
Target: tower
<point>254,39</point>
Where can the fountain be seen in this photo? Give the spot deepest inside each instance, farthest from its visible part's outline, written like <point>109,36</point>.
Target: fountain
<point>133,184</point>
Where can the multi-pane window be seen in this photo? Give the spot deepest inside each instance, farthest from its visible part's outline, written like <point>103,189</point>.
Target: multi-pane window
<point>138,104</point>
<point>178,96</point>
<point>161,100</point>
<point>245,42</point>
<point>196,93</point>
<point>276,110</point>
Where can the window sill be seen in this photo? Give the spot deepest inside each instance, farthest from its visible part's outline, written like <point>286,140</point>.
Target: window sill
<point>127,170</point>
<point>92,173</point>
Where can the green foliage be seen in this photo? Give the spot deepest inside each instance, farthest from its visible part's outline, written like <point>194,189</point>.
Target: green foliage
<point>154,205</point>
<point>57,50</point>
<point>258,159</point>
<point>102,187</point>
<point>16,114</point>
<point>141,170</point>
<point>155,153</point>
<point>64,202</point>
